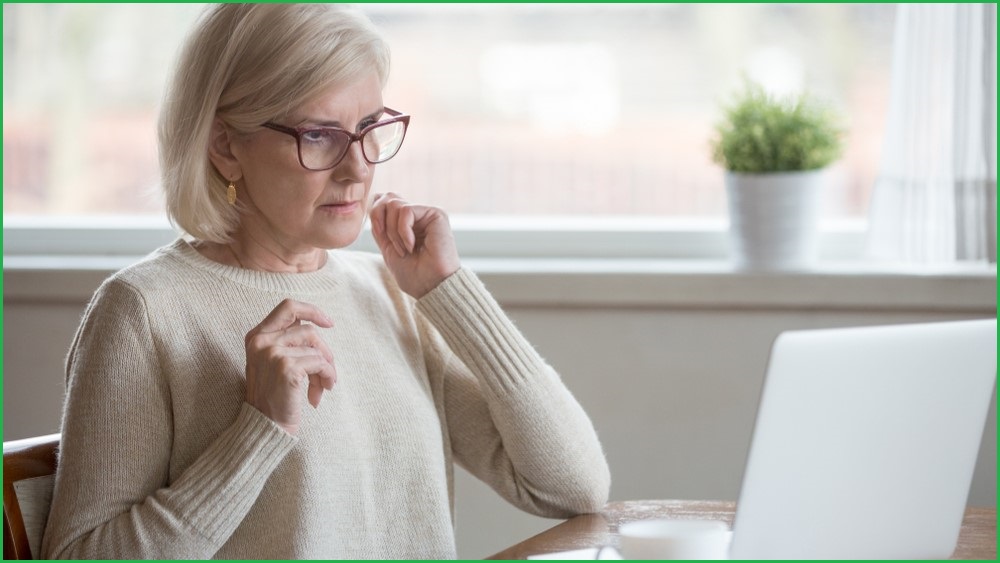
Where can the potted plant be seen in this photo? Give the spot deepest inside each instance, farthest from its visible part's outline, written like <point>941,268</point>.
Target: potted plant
<point>776,152</point>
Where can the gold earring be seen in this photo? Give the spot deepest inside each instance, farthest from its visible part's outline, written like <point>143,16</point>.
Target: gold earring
<point>231,193</point>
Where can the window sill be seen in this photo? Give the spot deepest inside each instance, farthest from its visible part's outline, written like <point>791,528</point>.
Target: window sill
<point>550,262</point>
<point>477,236</point>
<point>715,284</point>
<point>633,283</point>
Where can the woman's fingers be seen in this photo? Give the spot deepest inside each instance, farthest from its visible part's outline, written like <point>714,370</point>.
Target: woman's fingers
<point>323,379</point>
<point>320,375</point>
<point>298,336</point>
<point>289,313</point>
<point>416,242</point>
<point>377,214</point>
<point>293,365</point>
<point>393,209</point>
<point>275,385</point>
<point>285,353</point>
<point>404,228</point>
<point>392,223</point>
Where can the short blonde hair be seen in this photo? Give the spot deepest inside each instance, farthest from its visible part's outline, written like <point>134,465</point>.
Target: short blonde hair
<point>248,64</point>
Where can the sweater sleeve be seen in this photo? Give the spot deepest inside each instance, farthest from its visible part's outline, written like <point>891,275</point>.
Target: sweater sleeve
<point>112,498</point>
<point>511,421</point>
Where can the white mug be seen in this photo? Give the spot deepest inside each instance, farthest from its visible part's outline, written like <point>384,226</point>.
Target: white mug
<point>674,539</point>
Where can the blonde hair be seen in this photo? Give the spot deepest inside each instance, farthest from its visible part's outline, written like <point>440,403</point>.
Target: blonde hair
<point>247,64</point>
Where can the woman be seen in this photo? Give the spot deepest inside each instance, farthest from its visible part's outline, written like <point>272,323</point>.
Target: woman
<point>247,393</point>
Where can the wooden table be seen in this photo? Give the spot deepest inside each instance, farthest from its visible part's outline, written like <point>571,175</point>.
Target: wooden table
<point>977,540</point>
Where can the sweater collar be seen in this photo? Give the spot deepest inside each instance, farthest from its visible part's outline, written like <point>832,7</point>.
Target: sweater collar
<point>320,280</point>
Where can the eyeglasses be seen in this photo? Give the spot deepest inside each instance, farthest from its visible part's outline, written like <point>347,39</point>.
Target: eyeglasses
<point>322,148</point>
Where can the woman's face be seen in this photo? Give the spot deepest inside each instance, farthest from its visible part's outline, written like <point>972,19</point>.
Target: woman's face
<point>298,210</point>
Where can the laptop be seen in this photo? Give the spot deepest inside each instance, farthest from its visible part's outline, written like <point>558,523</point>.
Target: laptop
<point>865,442</point>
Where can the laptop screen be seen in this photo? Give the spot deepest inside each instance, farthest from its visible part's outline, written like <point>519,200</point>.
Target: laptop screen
<point>865,442</point>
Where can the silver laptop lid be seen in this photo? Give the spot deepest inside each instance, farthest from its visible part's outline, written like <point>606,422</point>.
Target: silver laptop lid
<point>865,442</point>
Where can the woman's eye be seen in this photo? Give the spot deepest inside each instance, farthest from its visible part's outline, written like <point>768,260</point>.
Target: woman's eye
<point>315,136</point>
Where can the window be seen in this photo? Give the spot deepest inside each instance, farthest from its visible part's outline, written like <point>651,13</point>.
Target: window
<point>608,109</point>
<point>82,84</point>
<point>585,112</point>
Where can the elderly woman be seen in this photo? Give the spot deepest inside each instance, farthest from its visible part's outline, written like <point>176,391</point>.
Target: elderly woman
<point>250,391</point>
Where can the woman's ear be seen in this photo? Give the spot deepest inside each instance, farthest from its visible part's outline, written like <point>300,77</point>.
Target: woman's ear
<point>220,151</point>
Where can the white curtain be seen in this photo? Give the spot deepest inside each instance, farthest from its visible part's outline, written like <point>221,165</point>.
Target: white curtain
<point>935,196</point>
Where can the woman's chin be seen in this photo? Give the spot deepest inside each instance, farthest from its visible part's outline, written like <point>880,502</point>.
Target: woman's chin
<point>342,237</point>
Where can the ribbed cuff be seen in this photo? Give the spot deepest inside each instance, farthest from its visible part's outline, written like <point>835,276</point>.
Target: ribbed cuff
<point>480,333</point>
<point>217,491</point>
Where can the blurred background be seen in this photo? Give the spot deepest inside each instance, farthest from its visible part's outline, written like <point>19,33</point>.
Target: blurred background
<point>518,109</point>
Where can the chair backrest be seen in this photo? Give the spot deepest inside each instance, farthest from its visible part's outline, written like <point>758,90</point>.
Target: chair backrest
<point>29,468</point>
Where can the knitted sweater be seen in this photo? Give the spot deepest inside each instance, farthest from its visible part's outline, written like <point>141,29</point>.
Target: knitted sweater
<point>161,457</point>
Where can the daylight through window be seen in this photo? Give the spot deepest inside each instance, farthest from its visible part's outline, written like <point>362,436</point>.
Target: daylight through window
<point>518,109</point>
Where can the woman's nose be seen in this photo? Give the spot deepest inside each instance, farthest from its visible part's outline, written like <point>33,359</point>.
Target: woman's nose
<point>353,166</point>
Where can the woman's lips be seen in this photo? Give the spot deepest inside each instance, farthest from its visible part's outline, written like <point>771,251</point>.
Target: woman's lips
<point>345,208</point>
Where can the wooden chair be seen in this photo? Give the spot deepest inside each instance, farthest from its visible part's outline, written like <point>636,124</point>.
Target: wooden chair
<point>29,468</point>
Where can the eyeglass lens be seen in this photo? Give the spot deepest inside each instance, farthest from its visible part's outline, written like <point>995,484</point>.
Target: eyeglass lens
<point>323,148</point>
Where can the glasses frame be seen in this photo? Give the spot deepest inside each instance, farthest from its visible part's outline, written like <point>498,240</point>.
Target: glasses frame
<point>297,132</point>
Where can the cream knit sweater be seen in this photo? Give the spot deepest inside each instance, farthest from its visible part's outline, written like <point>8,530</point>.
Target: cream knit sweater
<point>162,458</point>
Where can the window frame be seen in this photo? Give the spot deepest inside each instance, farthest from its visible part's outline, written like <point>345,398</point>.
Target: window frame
<point>520,237</point>
<point>665,264</point>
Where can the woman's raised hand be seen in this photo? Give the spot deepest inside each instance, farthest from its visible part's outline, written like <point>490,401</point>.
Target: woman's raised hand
<point>283,356</point>
<point>416,243</point>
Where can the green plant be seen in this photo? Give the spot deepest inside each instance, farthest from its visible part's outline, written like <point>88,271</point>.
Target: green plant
<point>763,133</point>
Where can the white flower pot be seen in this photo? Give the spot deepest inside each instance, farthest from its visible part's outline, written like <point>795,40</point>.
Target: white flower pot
<point>773,219</point>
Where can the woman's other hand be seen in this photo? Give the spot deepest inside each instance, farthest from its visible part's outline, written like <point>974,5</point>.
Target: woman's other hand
<point>416,243</point>
<point>283,355</point>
